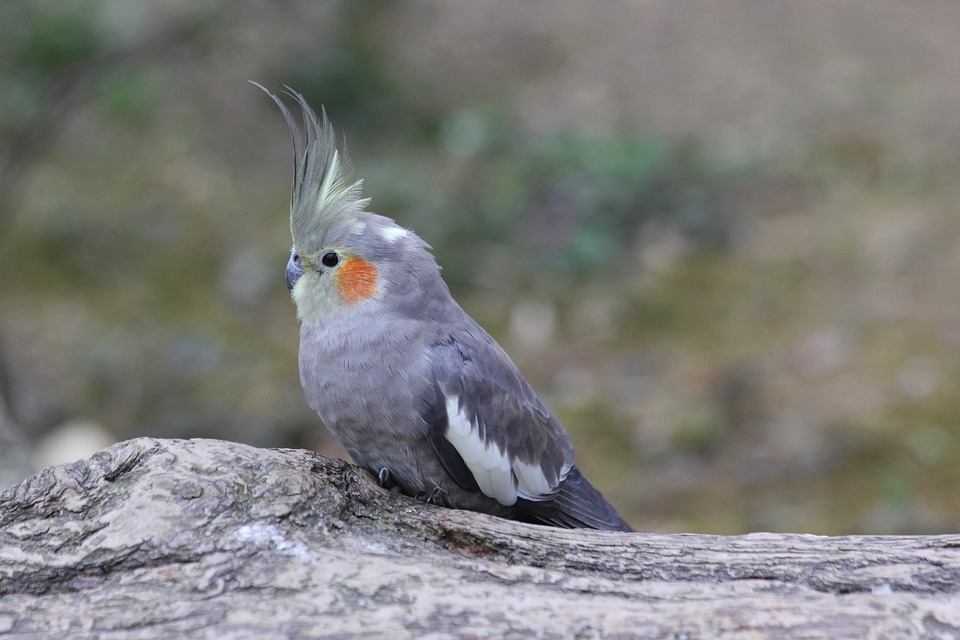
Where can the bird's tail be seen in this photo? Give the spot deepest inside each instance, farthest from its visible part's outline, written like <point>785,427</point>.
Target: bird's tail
<point>577,506</point>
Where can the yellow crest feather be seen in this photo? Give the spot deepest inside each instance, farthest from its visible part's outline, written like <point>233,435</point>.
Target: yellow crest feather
<point>322,197</point>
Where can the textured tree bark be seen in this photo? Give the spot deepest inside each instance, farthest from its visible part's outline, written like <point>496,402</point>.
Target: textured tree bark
<point>203,539</point>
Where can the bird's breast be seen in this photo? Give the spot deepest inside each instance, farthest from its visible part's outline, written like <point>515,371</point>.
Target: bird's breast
<point>364,375</point>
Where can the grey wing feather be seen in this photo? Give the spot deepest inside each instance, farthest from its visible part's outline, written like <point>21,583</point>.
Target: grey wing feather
<point>503,408</point>
<point>504,412</point>
<point>577,505</point>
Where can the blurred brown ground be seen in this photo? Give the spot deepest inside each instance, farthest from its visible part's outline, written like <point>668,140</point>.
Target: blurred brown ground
<point>720,239</point>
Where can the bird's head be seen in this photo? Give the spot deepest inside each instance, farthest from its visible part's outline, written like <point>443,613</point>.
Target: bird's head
<point>342,255</point>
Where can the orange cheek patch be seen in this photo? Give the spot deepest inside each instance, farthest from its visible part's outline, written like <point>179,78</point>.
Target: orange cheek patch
<point>356,280</point>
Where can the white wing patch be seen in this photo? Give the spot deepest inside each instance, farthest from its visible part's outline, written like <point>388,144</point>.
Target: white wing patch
<point>496,475</point>
<point>533,484</point>
<point>392,234</point>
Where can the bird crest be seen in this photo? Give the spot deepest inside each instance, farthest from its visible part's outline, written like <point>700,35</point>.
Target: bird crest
<point>324,195</point>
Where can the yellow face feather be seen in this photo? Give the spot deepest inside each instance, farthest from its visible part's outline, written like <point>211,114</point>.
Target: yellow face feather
<point>315,298</point>
<point>320,293</point>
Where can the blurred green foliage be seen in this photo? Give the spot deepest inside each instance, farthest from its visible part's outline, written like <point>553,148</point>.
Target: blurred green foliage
<point>61,35</point>
<point>580,201</point>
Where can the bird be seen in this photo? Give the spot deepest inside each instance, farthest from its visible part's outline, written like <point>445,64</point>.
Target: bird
<point>408,383</point>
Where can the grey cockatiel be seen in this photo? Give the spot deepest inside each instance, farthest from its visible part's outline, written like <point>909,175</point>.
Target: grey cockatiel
<point>408,383</point>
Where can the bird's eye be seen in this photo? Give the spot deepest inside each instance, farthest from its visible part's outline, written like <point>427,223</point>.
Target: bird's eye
<point>330,259</point>
<point>296,258</point>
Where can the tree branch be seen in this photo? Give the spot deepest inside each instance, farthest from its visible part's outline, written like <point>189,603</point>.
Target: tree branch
<point>202,538</point>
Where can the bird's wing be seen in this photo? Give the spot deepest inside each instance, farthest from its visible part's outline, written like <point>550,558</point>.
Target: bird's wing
<point>488,427</point>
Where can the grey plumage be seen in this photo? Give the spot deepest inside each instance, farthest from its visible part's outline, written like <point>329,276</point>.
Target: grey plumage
<point>401,375</point>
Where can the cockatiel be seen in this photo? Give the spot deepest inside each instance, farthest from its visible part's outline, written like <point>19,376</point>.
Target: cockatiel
<point>411,386</point>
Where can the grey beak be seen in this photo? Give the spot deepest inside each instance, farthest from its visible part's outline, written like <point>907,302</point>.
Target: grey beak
<point>294,271</point>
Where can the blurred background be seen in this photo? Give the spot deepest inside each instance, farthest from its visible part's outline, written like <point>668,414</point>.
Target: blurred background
<point>721,240</point>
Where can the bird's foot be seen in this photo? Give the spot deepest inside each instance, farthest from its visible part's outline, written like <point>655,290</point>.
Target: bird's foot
<point>385,480</point>
<point>434,496</point>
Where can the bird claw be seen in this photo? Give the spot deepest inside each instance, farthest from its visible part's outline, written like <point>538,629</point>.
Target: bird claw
<point>383,478</point>
<point>435,496</point>
<point>386,481</point>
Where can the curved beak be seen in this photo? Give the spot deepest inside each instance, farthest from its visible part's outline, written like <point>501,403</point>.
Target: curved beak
<point>294,271</point>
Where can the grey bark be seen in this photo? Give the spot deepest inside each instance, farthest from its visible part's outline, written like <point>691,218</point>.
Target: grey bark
<point>209,539</point>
